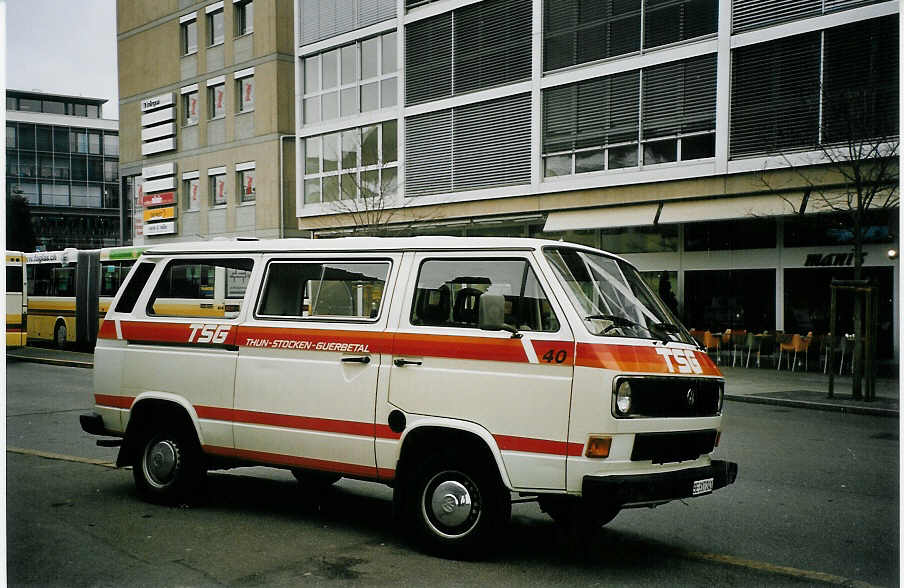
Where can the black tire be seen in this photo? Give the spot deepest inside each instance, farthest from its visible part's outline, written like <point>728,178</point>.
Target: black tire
<point>454,507</point>
<point>315,478</point>
<point>59,335</point>
<point>573,514</point>
<point>168,467</point>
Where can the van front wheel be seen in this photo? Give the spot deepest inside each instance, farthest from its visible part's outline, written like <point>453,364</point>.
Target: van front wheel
<point>456,507</point>
<point>168,468</point>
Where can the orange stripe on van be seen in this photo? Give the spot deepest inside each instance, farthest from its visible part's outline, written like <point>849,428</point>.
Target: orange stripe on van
<point>376,342</point>
<point>635,358</point>
<point>459,347</point>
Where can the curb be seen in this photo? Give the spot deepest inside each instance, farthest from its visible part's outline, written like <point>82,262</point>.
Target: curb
<point>824,406</point>
<point>52,361</point>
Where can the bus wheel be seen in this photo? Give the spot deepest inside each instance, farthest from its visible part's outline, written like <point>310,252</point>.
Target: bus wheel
<point>59,335</point>
<point>168,468</point>
<point>456,507</point>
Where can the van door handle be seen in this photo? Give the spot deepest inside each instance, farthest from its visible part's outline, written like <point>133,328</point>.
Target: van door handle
<point>403,362</point>
<point>365,360</point>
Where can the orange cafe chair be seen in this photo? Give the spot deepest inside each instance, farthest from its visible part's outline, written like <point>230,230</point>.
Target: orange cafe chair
<point>711,342</point>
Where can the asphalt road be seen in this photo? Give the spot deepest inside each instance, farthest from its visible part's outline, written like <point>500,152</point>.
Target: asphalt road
<point>817,501</point>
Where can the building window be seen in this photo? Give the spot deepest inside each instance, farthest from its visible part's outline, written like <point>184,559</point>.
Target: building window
<point>246,185</point>
<point>111,144</point>
<point>11,136</point>
<point>355,163</point>
<point>580,32</point>
<point>594,125</point>
<point>215,33</point>
<point>192,196</point>
<point>29,105</point>
<point>218,190</point>
<point>12,103</point>
<point>190,108</point>
<point>54,107</point>
<point>79,140</point>
<point>244,17</point>
<point>94,143</point>
<point>797,93</point>
<point>79,110</point>
<point>189,37</point>
<point>244,88</point>
<point>93,111</point>
<point>355,78</point>
<point>478,46</point>
<point>216,101</point>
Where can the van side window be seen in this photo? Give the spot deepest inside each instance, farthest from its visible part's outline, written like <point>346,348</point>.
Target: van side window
<point>324,289</point>
<point>134,287</point>
<point>212,288</point>
<point>448,294</point>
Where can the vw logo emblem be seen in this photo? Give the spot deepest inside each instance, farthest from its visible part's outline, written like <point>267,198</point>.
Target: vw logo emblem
<point>691,397</point>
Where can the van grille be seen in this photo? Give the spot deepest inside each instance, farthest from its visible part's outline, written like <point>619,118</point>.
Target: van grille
<point>653,397</point>
<point>672,447</point>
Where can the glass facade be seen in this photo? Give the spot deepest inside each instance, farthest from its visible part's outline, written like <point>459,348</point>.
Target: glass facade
<point>70,177</point>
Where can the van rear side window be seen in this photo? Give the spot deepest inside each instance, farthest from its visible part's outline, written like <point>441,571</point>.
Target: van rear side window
<point>204,288</point>
<point>448,294</point>
<point>134,287</point>
<point>324,290</point>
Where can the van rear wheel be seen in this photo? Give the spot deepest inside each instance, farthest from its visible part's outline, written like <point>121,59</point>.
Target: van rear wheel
<point>168,469</point>
<point>456,507</point>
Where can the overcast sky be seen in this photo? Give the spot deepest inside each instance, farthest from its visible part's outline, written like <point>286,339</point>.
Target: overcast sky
<point>63,47</point>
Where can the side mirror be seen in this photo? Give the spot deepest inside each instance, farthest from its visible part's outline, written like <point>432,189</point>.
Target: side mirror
<point>491,314</point>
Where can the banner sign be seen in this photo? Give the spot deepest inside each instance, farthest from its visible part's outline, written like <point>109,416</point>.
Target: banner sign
<point>155,214</point>
<point>167,228</point>
<point>158,199</point>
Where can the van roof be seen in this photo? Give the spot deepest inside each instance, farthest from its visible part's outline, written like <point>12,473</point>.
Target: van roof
<point>426,243</point>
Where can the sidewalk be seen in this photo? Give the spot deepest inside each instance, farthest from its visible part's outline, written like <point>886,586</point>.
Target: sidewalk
<point>808,390</point>
<point>51,356</point>
<point>756,385</point>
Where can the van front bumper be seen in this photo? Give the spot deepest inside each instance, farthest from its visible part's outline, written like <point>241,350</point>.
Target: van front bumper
<point>643,489</point>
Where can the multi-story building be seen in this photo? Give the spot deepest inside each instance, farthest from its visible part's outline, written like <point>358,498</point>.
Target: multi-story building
<point>63,158</point>
<point>691,136</point>
<point>206,92</point>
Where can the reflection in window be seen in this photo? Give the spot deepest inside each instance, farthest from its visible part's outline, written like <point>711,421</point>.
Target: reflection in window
<point>218,190</point>
<point>244,17</point>
<point>216,101</point>
<point>351,289</point>
<point>245,93</point>
<point>449,291</point>
<point>189,32</point>
<point>211,288</point>
<point>215,33</point>
<point>757,233</point>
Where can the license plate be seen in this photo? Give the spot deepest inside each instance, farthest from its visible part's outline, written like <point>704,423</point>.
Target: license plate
<point>702,487</point>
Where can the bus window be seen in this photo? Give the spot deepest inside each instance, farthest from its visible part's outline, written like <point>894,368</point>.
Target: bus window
<point>40,276</point>
<point>63,281</point>
<point>192,287</point>
<point>14,279</point>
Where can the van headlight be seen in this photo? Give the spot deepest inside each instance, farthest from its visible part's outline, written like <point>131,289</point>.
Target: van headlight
<point>623,398</point>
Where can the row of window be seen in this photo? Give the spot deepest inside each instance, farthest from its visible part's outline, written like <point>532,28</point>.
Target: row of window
<point>66,194</point>
<point>447,292</point>
<point>53,106</point>
<point>30,137</point>
<point>355,163</point>
<point>358,77</point>
<point>216,101</point>
<point>216,186</point>
<point>61,167</point>
<point>243,19</point>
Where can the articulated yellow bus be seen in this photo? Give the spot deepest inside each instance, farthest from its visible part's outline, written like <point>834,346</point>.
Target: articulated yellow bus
<point>70,292</point>
<point>16,300</point>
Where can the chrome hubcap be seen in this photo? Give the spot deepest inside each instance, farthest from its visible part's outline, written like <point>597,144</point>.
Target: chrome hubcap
<point>160,463</point>
<point>451,503</point>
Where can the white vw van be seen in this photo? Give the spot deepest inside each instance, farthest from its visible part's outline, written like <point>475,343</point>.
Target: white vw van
<point>456,370</point>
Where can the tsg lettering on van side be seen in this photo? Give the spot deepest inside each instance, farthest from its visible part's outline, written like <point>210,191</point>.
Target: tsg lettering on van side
<point>458,371</point>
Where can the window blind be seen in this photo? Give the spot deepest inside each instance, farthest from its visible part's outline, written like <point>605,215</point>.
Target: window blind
<point>774,92</point>
<point>679,97</point>
<point>428,153</point>
<point>428,59</point>
<point>492,44</point>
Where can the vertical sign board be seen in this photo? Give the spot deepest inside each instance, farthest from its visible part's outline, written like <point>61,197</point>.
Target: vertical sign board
<point>158,128</point>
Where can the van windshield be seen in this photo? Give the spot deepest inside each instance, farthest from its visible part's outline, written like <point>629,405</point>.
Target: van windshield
<point>612,298</point>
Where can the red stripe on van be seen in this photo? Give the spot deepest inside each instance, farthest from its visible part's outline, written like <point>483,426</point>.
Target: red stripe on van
<point>107,330</point>
<point>369,472</point>
<point>270,337</point>
<point>526,444</point>
<point>459,347</point>
<point>635,358</point>
<point>292,421</point>
<point>160,332</point>
<point>113,401</point>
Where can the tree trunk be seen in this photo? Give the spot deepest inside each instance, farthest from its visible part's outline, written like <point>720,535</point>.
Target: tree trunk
<point>857,356</point>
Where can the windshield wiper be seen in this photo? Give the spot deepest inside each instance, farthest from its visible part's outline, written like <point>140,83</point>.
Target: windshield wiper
<point>660,330</point>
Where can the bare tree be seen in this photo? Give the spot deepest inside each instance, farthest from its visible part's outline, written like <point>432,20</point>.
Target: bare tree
<point>372,202</point>
<point>853,170</point>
